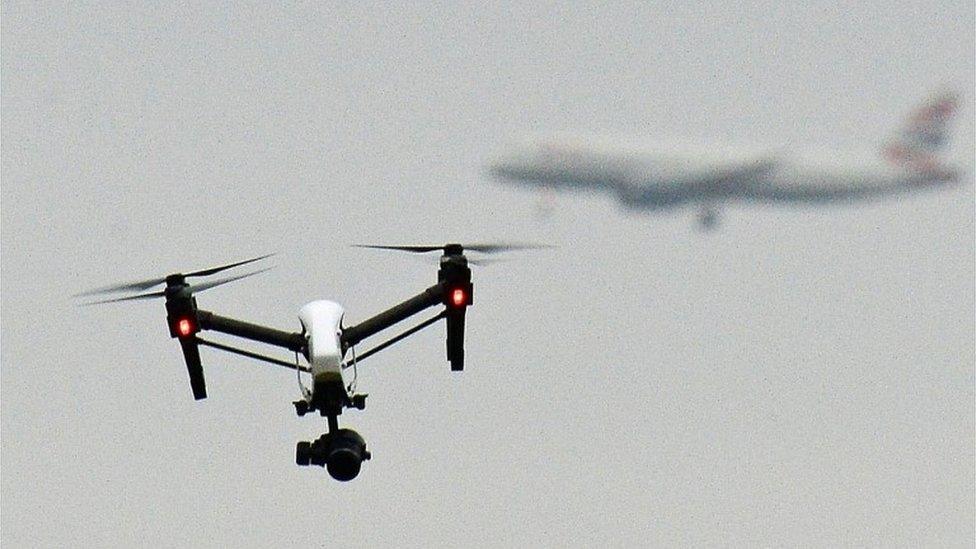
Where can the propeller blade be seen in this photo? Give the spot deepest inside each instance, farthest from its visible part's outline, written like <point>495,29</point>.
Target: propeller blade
<point>194,288</point>
<point>128,286</point>
<point>505,247</point>
<point>214,283</point>
<point>152,295</point>
<point>485,261</point>
<point>488,248</point>
<point>414,249</point>
<point>142,285</point>
<point>215,270</point>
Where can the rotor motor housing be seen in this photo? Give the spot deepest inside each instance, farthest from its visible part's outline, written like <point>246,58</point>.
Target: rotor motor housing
<point>181,308</point>
<point>458,296</point>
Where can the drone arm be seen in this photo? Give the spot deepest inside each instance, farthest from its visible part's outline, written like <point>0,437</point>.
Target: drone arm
<point>249,354</point>
<point>400,337</point>
<point>428,298</point>
<point>293,341</point>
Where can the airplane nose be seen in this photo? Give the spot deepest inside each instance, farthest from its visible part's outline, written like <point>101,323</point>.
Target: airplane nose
<point>500,169</point>
<point>509,167</point>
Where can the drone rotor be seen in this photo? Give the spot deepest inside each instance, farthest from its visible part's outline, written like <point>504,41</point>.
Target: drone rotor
<point>457,249</point>
<point>181,308</point>
<point>141,285</point>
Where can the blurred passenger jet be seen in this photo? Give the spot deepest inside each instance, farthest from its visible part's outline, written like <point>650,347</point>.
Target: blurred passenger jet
<point>651,177</point>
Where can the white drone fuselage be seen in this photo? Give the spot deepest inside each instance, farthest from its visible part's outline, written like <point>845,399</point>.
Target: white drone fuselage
<point>322,324</point>
<point>323,341</point>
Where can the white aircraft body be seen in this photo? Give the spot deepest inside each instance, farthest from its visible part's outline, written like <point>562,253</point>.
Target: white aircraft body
<point>651,177</point>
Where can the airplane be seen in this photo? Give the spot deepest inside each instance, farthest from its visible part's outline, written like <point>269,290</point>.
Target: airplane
<point>323,341</point>
<point>653,176</point>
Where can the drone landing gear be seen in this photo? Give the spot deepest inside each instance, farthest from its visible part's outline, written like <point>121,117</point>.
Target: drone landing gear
<point>304,406</point>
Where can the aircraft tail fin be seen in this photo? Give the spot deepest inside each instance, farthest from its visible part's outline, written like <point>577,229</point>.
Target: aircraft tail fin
<point>925,135</point>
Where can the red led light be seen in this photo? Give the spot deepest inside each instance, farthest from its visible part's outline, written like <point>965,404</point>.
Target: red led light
<point>184,327</point>
<point>457,297</point>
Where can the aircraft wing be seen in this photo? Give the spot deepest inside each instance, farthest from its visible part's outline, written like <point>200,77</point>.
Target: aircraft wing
<point>748,170</point>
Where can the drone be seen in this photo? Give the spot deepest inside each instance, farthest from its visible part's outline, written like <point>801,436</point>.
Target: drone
<point>323,340</point>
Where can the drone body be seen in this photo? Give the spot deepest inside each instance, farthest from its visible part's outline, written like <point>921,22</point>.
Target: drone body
<point>324,342</point>
<point>322,325</point>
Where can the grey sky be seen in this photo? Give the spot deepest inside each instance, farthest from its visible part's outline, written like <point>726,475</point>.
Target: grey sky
<point>801,376</point>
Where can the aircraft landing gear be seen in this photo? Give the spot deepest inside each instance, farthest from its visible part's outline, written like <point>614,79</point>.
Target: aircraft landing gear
<point>708,217</point>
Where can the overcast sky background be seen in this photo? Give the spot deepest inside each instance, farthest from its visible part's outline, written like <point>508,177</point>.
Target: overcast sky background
<point>803,375</point>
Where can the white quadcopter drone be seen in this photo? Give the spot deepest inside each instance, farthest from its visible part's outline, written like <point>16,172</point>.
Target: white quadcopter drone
<point>323,341</point>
